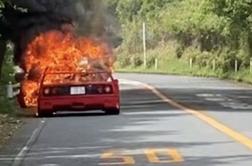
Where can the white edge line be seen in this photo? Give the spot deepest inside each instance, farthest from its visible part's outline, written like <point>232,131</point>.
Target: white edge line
<point>21,155</point>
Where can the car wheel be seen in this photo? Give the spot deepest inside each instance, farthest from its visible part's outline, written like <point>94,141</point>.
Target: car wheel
<point>114,111</point>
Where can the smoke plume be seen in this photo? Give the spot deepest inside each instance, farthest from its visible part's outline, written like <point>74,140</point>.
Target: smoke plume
<point>26,19</point>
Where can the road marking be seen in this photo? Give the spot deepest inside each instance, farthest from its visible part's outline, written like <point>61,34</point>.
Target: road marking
<point>154,156</point>
<point>21,155</point>
<point>165,112</point>
<point>112,155</point>
<point>235,135</point>
<point>173,156</point>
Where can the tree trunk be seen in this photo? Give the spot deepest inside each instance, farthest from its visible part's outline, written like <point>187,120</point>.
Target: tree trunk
<point>2,53</point>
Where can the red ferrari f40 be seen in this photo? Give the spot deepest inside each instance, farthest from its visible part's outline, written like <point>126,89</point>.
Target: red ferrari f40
<point>78,92</point>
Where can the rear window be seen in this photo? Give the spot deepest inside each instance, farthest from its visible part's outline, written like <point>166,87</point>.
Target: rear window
<point>75,78</point>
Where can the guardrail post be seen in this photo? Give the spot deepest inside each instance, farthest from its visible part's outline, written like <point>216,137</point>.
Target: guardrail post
<point>191,63</point>
<point>156,63</point>
<point>250,65</point>
<point>9,90</point>
<point>214,65</point>
<point>236,66</point>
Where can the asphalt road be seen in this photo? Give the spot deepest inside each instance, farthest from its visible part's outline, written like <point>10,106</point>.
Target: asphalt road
<point>165,120</point>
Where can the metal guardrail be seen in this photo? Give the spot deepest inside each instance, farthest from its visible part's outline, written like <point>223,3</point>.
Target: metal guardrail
<point>13,90</point>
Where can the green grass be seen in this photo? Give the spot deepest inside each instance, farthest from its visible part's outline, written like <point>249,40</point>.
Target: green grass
<point>170,66</point>
<point>174,66</point>
<point>7,106</point>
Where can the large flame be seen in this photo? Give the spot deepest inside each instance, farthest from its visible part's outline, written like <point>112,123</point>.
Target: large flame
<point>61,51</point>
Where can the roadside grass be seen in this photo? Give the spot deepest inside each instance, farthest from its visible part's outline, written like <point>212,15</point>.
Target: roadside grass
<point>174,66</point>
<point>178,68</point>
<point>9,122</point>
<point>7,106</point>
<point>241,76</point>
<point>165,65</point>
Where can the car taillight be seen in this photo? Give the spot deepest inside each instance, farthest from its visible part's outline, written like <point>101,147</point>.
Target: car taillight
<point>108,89</point>
<point>47,91</point>
<point>100,89</point>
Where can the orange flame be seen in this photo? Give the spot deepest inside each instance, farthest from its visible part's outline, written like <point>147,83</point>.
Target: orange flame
<point>61,52</point>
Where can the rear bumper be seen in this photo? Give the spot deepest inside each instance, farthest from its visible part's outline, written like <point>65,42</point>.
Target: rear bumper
<point>78,103</point>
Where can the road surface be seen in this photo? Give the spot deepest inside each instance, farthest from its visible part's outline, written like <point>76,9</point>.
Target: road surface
<point>165,120</point>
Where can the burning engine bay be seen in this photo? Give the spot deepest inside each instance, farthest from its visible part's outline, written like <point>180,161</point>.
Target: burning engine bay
<point>57,35</point>
<point>57,51</point>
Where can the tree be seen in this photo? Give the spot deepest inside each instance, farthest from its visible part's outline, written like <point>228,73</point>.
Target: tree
<point>239,18</point>
<point>2,39</point>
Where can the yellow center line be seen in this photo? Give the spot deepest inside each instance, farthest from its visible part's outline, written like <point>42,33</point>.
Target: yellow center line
<point>235,135</point>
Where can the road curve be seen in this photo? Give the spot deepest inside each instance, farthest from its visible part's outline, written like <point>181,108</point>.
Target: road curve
<point>165,120</point>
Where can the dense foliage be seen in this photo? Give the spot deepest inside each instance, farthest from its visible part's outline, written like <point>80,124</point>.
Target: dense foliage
<point>200,29</point>
<point>204,30</point>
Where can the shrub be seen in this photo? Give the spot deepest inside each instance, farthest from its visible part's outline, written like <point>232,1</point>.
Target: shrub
<point>136,60</point>
<point>123,60</point>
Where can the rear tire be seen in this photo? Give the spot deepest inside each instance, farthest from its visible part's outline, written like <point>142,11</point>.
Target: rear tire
<point>113,111</point>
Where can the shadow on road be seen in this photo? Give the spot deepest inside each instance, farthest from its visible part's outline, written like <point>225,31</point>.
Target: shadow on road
<point>212,100</point>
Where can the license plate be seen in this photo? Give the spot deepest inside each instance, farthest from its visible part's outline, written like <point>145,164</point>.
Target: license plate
<point>80,90</point>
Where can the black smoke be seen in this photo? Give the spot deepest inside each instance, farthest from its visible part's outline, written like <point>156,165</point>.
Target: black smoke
<point>23,20</point>
<point>87,14</point>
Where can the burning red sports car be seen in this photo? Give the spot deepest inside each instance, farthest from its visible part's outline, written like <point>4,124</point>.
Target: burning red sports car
<point>78,91</point>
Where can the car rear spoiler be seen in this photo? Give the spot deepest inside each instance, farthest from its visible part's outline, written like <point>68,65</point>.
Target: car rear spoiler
<point>47,72</point>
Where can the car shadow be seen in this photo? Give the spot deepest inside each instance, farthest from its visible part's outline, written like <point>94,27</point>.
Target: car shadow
<point>78,114</point>
<point>32,114</point>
